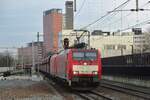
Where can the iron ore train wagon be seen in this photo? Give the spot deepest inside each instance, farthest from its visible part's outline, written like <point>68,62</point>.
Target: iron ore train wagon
<point>76,67</point>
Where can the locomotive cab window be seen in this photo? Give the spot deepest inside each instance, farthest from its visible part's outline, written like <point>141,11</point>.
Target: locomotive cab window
<point>84,55</point>
<point>90,55</point>
<point>78,55</point>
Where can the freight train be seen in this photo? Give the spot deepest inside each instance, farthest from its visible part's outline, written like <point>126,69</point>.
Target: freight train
<point>74,67</point>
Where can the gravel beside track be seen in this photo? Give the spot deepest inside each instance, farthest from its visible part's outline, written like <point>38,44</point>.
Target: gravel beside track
<point>27,89</point>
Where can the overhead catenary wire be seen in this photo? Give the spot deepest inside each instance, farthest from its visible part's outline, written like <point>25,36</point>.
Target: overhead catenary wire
<point>108,13</point>
<point>82,5</point>
<point>146,4</point>
<point>114,14</point>
<point>127,15</point>
<point>138,24</point>
<point>130,27</point>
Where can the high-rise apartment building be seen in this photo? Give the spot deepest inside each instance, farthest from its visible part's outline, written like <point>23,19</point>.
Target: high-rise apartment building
<point>69,15</point>
<point>52,28</point>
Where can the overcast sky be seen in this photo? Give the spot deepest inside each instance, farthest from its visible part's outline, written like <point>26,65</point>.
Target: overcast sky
<point>21,19</point>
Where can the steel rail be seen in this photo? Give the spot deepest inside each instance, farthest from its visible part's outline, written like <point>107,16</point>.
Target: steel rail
<point>126,90</point>
<point>84,96</point>
<point>93,95</point>
<point>141,89</point>
<point>102,95</point>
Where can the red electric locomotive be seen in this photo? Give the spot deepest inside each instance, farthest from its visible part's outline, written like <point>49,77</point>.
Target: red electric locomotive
<point>77,67</point>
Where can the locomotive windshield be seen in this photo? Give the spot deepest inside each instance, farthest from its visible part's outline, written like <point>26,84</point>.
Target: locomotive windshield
<point>84,55</point>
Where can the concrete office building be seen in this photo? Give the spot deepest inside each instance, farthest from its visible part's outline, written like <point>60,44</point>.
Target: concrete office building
<point>69,17</point>
<point>52,28</point>
<point>112,45</point>
<point>109,44</point>
<point>25,54</point>
<point>139,42</point>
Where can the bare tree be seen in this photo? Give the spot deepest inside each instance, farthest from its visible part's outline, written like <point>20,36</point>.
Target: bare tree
<point>6,60</point>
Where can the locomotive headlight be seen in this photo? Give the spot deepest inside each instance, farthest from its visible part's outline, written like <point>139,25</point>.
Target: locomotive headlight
<point>95,72</point>
<point>75,72</point>
<point>85,63</point>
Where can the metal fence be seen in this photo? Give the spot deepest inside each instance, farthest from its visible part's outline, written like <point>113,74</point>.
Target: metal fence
<point>132,66</point>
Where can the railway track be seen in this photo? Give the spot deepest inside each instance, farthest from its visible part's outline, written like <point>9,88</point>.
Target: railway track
<point>88,95</point>
<point>93,95</point>
<point>105,94</point>
<point>128,89</point>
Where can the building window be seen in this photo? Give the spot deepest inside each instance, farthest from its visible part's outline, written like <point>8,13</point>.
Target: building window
<point>109,47</point>
<point>121,47</point>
